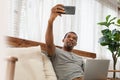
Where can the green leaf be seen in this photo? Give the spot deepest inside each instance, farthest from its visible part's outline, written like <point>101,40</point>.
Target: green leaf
<point>102,23</point>
<point>107,18</point>
<point>106,32</point>
<point>118,21</point>
<point>119,52</point>
<point>114,31</point>
<point>116,34</point>
<point>108,24</point>
<point>104,41</point>
<point>111,49</point>
<point>113,46</point>
<point>117,37</point>
<point>113,19</point>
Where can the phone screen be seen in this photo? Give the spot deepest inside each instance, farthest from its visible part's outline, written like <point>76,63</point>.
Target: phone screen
<point>69,10</point>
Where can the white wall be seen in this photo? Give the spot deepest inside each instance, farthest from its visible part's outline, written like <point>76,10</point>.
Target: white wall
<point>4,9</point>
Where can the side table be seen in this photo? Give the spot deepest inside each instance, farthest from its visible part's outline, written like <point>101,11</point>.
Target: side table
<point>113,71</point>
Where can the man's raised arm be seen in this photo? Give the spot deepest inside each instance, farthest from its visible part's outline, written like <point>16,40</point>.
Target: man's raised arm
<point>55,11</point>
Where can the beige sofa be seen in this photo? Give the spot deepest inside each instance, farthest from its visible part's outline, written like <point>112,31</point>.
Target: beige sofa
<point>32,63</point>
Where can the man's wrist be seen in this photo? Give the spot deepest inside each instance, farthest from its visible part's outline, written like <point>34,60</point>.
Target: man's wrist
<point>50,21</point>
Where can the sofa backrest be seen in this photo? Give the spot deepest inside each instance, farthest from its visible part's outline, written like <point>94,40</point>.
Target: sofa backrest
<point>17,42</point>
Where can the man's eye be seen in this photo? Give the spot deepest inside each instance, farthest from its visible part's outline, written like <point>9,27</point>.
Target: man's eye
<point>75,38</point>
<point>68,37</point>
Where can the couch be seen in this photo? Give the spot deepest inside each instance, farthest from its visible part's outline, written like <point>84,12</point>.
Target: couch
<point>27,60</point>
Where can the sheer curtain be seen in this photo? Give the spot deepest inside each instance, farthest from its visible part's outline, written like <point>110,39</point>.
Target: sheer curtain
<point>29,20</point>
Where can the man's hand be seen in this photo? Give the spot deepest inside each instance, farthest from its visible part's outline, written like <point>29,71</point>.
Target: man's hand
<point>56,10</point>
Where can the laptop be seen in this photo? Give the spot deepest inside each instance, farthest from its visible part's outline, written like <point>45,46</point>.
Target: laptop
<point>96,69</point>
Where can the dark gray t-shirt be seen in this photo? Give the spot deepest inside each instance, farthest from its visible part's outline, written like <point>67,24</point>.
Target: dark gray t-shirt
<point>67,65</point>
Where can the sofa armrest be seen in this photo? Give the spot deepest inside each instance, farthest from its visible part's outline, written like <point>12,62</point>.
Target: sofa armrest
<point>10,67</point>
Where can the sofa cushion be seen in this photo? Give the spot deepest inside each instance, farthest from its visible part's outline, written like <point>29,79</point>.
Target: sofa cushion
<point>32,64</point>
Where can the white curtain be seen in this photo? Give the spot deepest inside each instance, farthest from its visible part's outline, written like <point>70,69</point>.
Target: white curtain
<point>29,20</point>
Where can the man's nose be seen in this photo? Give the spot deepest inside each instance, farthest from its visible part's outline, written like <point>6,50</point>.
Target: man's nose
<point>71,39</point>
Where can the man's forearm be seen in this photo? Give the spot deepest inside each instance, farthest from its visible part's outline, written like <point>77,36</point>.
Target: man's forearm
<point>49,33</point>
<point>49,39</point>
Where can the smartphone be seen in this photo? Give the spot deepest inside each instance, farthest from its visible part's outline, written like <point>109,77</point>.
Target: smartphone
<point>70,10</point>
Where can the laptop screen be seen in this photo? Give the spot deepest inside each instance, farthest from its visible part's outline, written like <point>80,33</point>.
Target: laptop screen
<point>96,69</point>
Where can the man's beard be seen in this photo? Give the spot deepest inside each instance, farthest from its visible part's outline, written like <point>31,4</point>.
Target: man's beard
<point>69,45</point>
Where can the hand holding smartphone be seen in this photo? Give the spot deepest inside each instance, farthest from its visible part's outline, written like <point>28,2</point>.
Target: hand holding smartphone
<point>69,10</point>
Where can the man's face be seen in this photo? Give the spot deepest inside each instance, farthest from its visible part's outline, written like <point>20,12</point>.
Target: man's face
<point>70,40</point>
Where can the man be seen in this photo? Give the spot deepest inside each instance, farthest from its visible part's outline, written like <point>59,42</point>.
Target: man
<point>67,65</point>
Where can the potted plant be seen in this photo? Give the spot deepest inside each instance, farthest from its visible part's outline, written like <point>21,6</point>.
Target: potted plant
<point>111,38</point>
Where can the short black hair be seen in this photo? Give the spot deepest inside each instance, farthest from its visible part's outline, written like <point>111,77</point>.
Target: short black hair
<point>70,32</point>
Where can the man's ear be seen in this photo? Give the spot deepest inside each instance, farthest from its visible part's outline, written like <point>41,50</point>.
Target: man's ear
<point>63,40</point>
